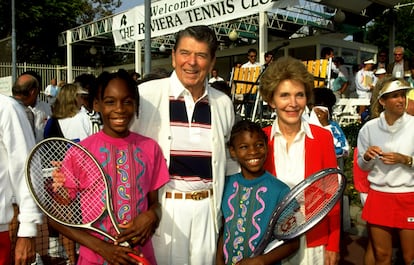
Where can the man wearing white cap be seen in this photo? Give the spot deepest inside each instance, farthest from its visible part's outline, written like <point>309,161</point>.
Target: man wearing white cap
<point>380,73</point>
<point>365,80</point>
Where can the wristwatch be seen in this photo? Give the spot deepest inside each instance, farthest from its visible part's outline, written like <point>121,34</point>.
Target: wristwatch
<point>410,161</point>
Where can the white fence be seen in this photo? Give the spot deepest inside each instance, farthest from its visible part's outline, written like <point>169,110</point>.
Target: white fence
<point>46,71</point>
<point>346,110</point>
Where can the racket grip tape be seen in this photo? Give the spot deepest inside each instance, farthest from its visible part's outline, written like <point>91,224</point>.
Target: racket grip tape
<point>143,260</point>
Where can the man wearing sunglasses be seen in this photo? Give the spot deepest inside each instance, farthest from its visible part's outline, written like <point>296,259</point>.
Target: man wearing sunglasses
<point>399,66</point>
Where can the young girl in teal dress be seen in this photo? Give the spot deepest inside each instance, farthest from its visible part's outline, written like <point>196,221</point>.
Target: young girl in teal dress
<point>249,199</point>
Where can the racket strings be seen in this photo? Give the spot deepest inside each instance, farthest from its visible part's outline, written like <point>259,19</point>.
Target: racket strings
<point>308,206</point>
<point>82,183</point>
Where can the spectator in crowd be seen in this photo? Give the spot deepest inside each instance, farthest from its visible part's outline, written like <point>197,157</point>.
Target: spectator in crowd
<point>136,76</point>
<point>25,91</point>
<point>380,73</point>
<point>298,149</point>
<point>365,81</point>
<point>399,66</point>
<point>51,91</point>
<point>386,150</point>
<point>41,109</point>
<point>88,84</point>
<point>351,90</point>
<point>268,57</point>
<point>250,98</point>
<point>382,60</point>
<point>250,197</point>
<point>192,122</point>
<point>323,102</point>
<point>67,115</point>
<point>16,141</point>
<point>214,76</point>
<point>327,52</point>
<point>252,57</point>
<point>341,82</point>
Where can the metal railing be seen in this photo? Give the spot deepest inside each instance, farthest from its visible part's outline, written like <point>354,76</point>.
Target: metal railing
<point>46,71</point>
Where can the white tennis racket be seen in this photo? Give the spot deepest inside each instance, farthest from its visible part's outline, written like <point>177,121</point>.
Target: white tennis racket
<point>302,208</point>
<point>69,186</point>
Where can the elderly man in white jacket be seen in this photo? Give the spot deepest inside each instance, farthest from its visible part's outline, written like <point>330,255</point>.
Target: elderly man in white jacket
<point>16,141</point>
<point>192,122</point>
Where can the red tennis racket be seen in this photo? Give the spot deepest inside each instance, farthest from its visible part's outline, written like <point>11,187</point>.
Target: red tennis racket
<point>69,186</point>
<point>302,208</point>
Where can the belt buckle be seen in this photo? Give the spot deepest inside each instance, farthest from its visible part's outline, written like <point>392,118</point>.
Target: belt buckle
<point>195,195</point>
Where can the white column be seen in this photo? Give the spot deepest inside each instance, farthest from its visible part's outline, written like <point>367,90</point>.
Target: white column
<point>69,56</point>
<point>263,39</point>
<point>138,57</point>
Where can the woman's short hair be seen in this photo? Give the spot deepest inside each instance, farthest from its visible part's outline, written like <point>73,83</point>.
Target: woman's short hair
<point>285,68</point>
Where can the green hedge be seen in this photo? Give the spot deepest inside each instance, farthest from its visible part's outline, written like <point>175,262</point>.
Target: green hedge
<point>351,133</point>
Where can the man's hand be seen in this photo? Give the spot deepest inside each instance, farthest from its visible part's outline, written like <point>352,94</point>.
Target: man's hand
<point>25,252</point>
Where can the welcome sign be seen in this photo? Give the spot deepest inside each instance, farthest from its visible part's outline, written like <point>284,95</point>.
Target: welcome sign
<point>168,17</point>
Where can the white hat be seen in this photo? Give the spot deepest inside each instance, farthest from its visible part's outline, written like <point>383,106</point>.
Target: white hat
<point>82,91</point>
<point>380,71</point>
<point>393,86</point>
<point>370,61</point>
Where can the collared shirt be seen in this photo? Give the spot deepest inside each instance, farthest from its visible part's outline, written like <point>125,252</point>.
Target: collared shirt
<point>215,79</point>
<point>249,64</point>
<point>191,150</point>
<point>290,163</point>
<point>398,70</point>
<point>42,112</point>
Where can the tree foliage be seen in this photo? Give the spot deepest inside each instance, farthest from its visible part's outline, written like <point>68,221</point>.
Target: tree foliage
<point>39,23</point>
<point>379,32</point>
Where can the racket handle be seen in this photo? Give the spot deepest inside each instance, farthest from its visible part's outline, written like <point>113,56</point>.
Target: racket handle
<point>272,245</point>
<point>143,260</point>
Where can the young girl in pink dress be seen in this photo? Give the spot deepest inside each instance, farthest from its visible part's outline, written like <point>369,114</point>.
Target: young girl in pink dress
<point>135,168</point>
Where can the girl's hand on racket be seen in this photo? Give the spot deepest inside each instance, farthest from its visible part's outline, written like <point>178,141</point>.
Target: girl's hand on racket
<point>140,229</point>
<point>117,255</point>
<point>60,194</point>
<point>58,177</point>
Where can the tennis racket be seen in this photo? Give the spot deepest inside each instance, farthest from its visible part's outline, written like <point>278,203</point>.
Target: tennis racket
<point>69,186</point>
<point>302,208</point>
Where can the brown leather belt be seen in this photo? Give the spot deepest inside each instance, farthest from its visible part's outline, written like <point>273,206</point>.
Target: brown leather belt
<point>194,195</point>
